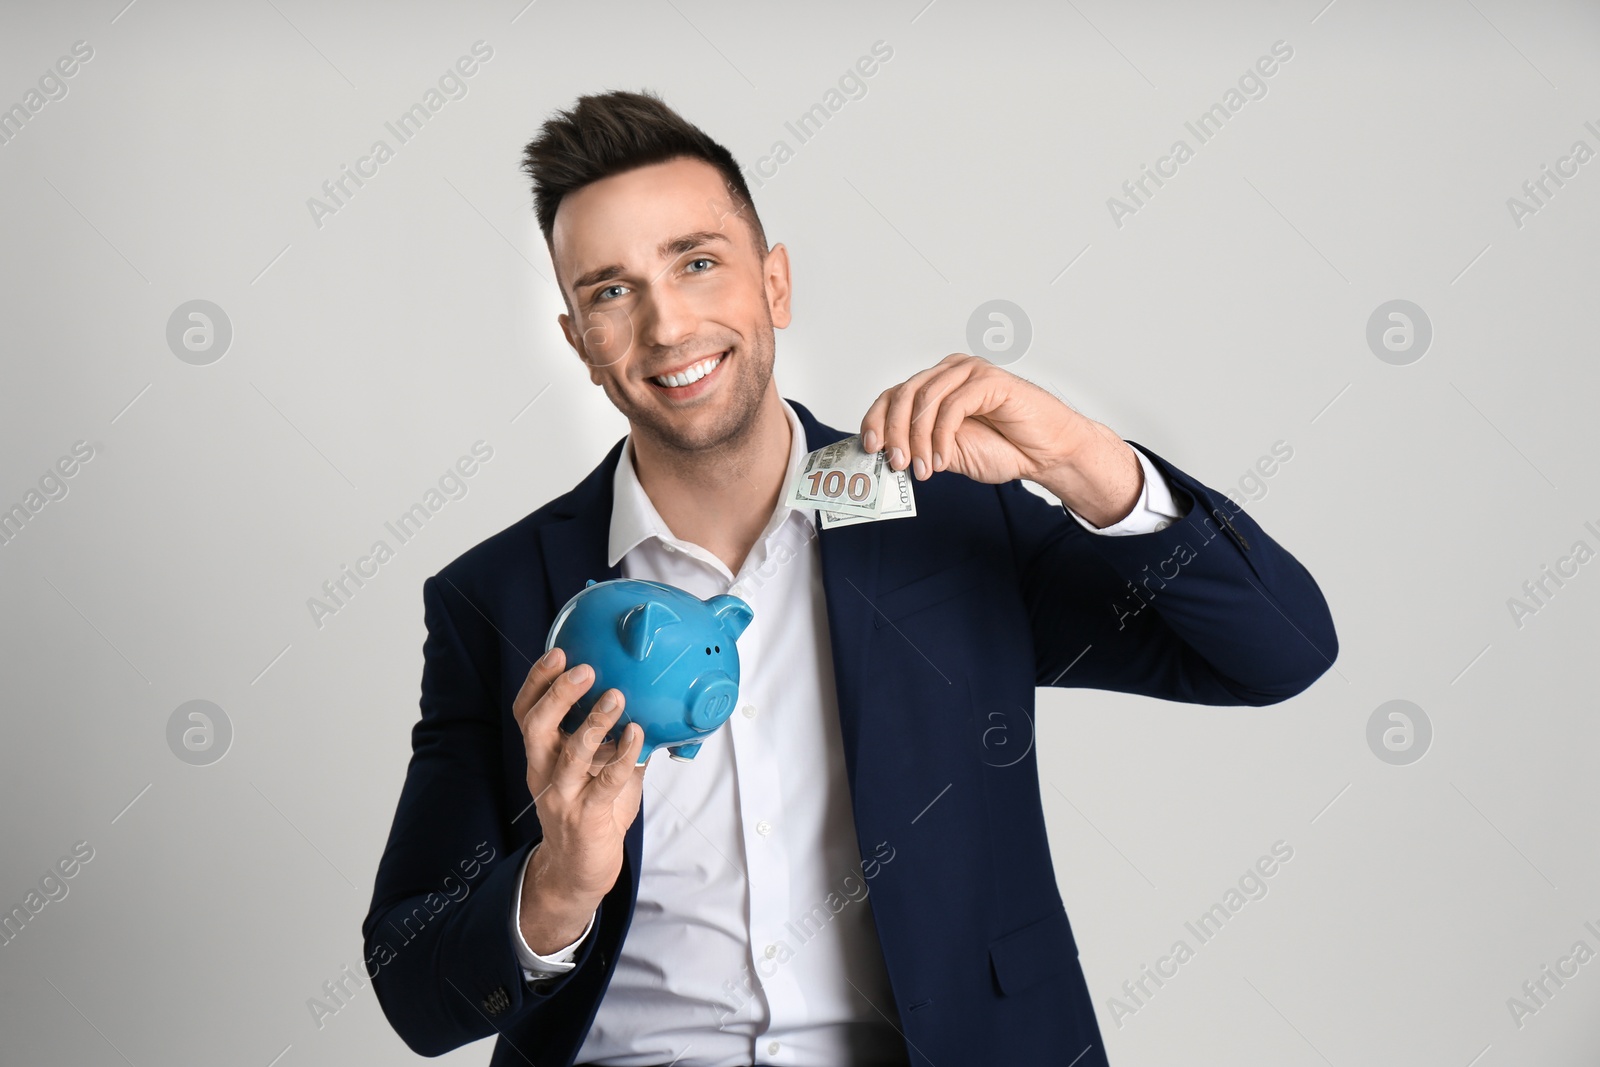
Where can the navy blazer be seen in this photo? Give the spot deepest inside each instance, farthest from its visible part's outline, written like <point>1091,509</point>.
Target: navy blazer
<point>941,627</point>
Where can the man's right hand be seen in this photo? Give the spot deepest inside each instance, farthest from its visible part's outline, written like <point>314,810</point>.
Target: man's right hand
<point>587,791</point>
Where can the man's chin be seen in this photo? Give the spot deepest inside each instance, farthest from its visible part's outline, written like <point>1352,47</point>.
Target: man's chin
<point>698,437</point>
<point>713,425</point>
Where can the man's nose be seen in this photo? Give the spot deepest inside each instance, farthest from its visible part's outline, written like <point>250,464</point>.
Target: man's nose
<point>667,317</point>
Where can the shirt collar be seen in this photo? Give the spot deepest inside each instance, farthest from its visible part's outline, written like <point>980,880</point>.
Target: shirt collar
<point>634,518</point>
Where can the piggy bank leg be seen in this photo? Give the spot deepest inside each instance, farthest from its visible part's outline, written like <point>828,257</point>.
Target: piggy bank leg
<point>684,752</point>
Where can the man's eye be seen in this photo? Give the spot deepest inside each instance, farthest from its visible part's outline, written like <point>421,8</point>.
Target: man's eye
<point>601,295</point>
<point>699,259</point>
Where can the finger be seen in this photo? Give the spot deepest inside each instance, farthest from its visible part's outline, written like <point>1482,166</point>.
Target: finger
<point>541,727</point>
<point>872,423</point>
<point>897,416</point>
<point>540,675</point>
<point>928,400</point>
<point>612,751</point>
<point>608,752</point>
<point>970,398</point>
<point>905,405</point>
<point>614,775</point>
<point>578,751</point>
<point>602,756</point>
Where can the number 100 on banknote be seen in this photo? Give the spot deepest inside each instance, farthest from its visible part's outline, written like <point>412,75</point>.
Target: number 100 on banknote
<point>830,484</point>
<point>841,478</point>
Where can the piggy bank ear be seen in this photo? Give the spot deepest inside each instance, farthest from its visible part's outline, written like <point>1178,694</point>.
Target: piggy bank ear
<point>641,624</point>
<point>732,613</point>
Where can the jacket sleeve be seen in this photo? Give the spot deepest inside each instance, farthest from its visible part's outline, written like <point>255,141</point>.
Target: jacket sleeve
<point>1209,610</point>
<point>436,937</point>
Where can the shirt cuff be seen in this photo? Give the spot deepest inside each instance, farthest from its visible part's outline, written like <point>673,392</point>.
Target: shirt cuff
<point>1155,509</point>
<point>533,964</point>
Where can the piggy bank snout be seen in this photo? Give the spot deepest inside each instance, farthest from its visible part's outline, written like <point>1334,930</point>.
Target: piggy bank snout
<point>711,700</point>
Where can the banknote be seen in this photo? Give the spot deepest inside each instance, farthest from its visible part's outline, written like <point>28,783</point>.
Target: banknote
<point>849,485</point>
<point>841,478</point>
<point>898,503</point>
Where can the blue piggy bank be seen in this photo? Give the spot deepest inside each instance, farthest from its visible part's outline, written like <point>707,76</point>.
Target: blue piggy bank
<point>672,655</point>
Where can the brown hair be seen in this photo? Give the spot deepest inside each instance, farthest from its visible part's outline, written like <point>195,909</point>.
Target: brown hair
<point>612,132</point>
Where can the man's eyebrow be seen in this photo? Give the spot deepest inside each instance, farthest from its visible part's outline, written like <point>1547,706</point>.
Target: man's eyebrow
<point>668,249</point>
<point>677,246</point>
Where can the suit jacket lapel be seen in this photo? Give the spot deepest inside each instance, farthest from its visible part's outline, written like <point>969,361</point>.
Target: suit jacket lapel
<point>575,544</point>
<point>849,578</point>
<point>574,551</point>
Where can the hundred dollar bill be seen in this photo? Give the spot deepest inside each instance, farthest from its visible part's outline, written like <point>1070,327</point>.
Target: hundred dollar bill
<point>898,503</point>
<point>842,478</point>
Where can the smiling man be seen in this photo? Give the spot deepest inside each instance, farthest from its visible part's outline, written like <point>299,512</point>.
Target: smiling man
<point>854,869</point>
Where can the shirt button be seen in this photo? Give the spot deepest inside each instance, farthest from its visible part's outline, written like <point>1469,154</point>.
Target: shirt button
<point>763,828</point>
<point>668,547</point>
<point>1163,524</point>
<point>772,950</point>
<point>772,1048</point>
<point>749,711</point>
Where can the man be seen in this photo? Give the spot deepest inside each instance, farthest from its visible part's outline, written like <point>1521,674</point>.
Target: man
<point>854,869</point>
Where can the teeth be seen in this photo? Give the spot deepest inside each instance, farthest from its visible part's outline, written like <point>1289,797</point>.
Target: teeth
<point>692,374</point>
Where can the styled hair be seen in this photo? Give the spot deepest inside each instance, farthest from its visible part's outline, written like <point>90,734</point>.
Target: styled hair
<point>608,133</point>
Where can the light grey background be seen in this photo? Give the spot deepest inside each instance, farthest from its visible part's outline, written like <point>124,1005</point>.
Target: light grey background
<point>1228,314</point>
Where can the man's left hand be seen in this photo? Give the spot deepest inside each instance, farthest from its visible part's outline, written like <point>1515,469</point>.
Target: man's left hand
<point>966,415</point>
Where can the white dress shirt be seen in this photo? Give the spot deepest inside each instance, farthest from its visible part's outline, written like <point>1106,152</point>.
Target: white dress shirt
<point>752,940</point>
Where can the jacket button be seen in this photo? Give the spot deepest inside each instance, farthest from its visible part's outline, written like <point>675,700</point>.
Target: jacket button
<point>497,1002</point>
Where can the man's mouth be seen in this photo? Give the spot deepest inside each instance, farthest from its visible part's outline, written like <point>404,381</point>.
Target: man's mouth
<point>682,380</point>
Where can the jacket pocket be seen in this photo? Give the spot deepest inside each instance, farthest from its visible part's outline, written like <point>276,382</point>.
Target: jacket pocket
<point>927,591</point>
<point>1025,957</point>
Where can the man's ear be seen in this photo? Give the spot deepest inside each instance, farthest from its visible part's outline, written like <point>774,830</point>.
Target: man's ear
<point>775,282</point>
<point>575,340</point>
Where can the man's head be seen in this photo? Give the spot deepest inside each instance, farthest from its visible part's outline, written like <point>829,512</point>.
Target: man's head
<point>663,265</point>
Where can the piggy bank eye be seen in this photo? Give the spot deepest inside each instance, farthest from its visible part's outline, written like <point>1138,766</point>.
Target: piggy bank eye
<point>708,652</point>
<point>719,648</point>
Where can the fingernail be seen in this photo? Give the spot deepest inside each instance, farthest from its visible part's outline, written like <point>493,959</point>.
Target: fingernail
<point>547,659</point>
<point>938,462</point>
<point>897,459</point>
<point>608,702</point>
<point>919,468</point>
<point>582,672</point>
<point>869,441</point>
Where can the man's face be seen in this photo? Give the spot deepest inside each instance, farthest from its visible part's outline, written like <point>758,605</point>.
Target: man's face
<point>662,277</point>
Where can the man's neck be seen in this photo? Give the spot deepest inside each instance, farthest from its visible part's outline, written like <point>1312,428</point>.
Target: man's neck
<point>720,500</point>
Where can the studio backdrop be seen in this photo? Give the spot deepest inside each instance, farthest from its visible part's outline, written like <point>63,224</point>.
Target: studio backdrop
<point>274,296</point>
